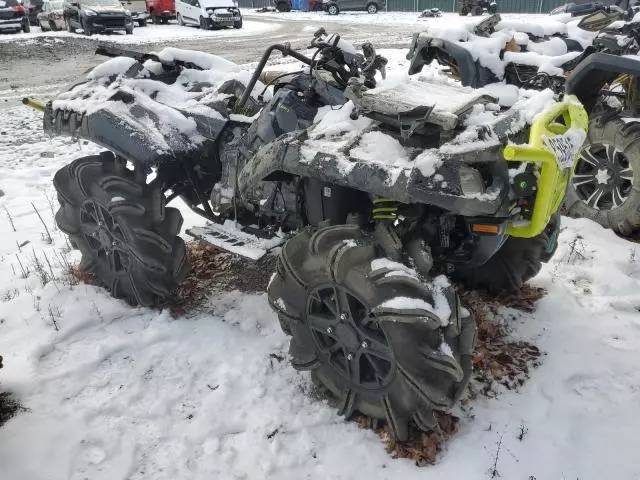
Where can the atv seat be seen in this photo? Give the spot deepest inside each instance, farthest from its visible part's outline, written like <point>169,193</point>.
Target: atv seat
<point>414,97</point>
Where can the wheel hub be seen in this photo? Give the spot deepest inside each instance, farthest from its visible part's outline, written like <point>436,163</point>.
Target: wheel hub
<point>349,337</point>
<point>103,234</point>
<point>603,177</point>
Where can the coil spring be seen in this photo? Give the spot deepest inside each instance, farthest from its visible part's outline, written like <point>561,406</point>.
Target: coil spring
<point>384,208</point>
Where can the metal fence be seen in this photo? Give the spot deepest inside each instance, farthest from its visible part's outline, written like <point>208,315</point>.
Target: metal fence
<point>505,6</point>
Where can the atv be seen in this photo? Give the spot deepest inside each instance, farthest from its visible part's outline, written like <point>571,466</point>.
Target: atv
<point>603,76</point>
<point>378,196</point>
<point>477,7</point>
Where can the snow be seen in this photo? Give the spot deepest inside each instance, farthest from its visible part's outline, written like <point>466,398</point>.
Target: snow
<point>149,34</point>
<point>113,66</point>
<point>379,148</point>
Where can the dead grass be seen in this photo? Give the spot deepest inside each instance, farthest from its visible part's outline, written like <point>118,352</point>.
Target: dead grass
<point>8,407</point>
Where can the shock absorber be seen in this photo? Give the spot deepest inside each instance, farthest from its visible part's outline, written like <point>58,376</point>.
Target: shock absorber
<point>384,208</point>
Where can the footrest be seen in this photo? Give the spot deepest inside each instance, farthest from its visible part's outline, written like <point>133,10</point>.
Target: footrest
<point>231,238</point>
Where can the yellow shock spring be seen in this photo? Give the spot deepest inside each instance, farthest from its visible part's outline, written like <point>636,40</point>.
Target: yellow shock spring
<point>384,208</point>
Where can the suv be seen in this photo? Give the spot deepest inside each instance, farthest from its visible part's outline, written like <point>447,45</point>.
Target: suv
<point>13,17</point>
<point>138,9</point>
<point>209,13</point>
<point>334,7</point>
<point>97,16</point>
<point>161,11</point>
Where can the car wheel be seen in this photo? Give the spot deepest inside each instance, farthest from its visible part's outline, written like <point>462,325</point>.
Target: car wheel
<point>204,24</point>
<point>180,21</point>
<point>142,23</point>
<point>26,28</point>
<point>237,24</point>
<point>87,30</point>
<point>372,8</point>
<point>164,20</point>
<point>155,18</point>
<point>333,10</point>
<point>129,31</point>
<point>70,28</point>
<point>283,7</point>
<point>52,26</point>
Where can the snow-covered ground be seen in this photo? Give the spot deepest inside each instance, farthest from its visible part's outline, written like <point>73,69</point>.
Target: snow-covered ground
<point>116,392</point>
<point>151,33</point>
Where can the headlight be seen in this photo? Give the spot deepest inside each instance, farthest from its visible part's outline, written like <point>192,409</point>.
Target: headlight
<point>90,13</point>
<point>127,13</point>
<point>471,182</point>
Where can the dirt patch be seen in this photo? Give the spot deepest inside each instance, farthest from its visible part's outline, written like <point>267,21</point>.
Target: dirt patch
<point>8,407</point>
<point>214,270</point>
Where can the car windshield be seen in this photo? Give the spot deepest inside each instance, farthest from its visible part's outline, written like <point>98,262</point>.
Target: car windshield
<point>101,3</point>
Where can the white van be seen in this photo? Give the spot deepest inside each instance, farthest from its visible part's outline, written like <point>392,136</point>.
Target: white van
<point>209,13</point>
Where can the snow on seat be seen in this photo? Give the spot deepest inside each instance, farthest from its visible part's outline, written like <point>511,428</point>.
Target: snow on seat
<point>449,101</point>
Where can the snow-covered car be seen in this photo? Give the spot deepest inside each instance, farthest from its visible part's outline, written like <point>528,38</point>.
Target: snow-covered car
<point>209,14</point>
<point>97,16</point>
<point>13,17</point>
<point>138,9</point>
<point>334,7</point>
<point>51,17</point>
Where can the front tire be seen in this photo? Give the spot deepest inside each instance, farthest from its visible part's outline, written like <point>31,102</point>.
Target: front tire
<point>142,23</point>
<point>237,24</point>
<point>372,8</point>
<point>333,9</point>
<point>368,337</point>
<point>204,24</point>
<point>517,261</point>
<point>128,239</point>
<point>26,27</point>
<point>603,188</point>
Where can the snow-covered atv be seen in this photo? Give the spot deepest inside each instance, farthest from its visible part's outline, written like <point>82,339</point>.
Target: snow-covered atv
<point>377,195</point>
<point>602,75</point>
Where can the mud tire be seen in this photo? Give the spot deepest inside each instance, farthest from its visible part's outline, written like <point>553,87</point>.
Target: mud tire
<point>403,371</point>
<point>104,203</point>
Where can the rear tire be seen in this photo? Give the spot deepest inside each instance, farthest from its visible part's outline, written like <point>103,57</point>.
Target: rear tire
<point>372,8</point>
<point>26,27</point>
<point>333,9</point>
<point>395,362</point>
<point>517,261</point>
<point>128,239</point>
<point>607,129</point>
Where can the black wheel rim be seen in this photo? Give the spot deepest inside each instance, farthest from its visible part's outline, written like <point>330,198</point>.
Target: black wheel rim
<point>349,337</point>
<point>104,236</point>
<point>603,177</point>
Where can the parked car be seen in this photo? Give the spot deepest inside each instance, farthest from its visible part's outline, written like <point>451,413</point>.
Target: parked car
<point>97,16</point>
<point>161,11</point>
<point>51,17</point>
<point>13,17</point>
<point>334,7</point>
<point>477,7</point>
<point>138,9</point>
<point>209,13</point>
<point>578,10</point>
